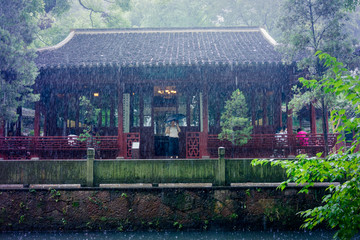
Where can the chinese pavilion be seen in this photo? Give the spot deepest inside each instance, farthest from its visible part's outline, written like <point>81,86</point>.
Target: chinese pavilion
<point>126,82</point>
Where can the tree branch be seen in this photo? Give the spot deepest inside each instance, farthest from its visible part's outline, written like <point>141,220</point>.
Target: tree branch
<point>41,40</point>
<point>87,8</point>
<point>90,16</point>
<point>91,11</point>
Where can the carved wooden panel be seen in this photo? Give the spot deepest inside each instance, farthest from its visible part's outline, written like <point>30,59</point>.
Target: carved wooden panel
<point>130,138</point>
<point>193,145</point>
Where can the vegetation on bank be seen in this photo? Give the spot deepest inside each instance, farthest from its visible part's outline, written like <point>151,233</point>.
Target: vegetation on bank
<point>340,206</point>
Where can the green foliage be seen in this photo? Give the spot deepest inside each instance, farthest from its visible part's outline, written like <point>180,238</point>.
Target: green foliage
<point>124,195</point>
<point>351,4</point>
<point>22,219</point>
<point>340,208</point>
<point>205,13</point>
<point>169,13</point>
<point>89,111</point>
<point>235,125</point>
<point>88,137</point>
<point>18,24</point>
<point>313,25</point>
<point>304,96</point>
<point>178,225</point>
<point>76,204</point>
<point>55,25</point>
<point>55,194</point>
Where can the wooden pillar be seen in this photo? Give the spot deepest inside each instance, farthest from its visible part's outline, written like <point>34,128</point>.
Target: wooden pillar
<point>106,123</point>
<point>205,127</point>
<point>253,110</point>
<point>327,122</point>
<point>99,125</point>
<point>289,120</point>
<point>66,114</point>
<point>37,120</point>
<point>51,116</point>
<point>313,118</point>
<point>45,120</point>
<point>2,128</point>
<point>291,137</point>
<point>19,121</point>
<point>265,112</point>
<point>278,109</point>
<point>188,97</point>
<point>77,113</point>
<point>112,113</point>
<point>121,137</point>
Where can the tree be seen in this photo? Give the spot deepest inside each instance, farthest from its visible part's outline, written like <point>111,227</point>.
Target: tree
<point>205,13</point>
<point>351,4</point>
<point>250,13</point>
<point>235,125</point>
<point>169,13</point>
<point>18,23</point>
<point>340,209</point>
<point>55,25</point>
<point>313,25</point>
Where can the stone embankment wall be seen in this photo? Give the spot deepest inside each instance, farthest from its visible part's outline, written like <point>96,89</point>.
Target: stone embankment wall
<point>154,208</point>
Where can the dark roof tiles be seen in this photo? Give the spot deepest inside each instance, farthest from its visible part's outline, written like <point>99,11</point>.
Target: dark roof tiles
<point>154,47</point>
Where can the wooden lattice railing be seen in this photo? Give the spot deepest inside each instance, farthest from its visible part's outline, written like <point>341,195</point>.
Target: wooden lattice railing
<point>273,145</point>
<point>261,145</point>
<point>26,147</point>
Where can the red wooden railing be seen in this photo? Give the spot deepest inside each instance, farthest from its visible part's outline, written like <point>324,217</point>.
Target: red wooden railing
<point>260,145</point>
<point>56,143</point>
<point>26,147</point>
<point>272,145</point>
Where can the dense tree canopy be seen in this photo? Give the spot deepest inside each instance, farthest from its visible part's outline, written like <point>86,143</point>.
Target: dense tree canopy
<point>313,25</point>
<point>307,27</point>
<point>55,25</point>
<point>18,24</point>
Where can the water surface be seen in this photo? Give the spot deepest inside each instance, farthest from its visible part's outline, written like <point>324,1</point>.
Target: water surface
<point>206,235</point>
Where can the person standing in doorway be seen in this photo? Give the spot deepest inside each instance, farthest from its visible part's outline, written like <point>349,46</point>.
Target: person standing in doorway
<point>173,132</point>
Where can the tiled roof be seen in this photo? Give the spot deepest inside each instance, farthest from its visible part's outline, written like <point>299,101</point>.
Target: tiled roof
<point>151,47</point>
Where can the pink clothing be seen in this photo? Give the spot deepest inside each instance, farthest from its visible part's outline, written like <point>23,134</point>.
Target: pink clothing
<point>303,140</point>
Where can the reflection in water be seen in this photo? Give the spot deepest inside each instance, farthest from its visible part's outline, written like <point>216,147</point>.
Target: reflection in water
<point>208,235</point>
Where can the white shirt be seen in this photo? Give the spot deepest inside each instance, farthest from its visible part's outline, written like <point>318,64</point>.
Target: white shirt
<point>174,132</point>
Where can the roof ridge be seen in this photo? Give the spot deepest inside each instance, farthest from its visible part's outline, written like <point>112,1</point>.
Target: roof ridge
<point>268,37</point>
<point>59,45</point>
<point>165,30</point>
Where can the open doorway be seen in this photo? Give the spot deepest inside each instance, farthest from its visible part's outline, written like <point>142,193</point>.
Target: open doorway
<point>165,104</point>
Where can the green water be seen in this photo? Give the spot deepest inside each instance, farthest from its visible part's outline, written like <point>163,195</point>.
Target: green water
<point>208,235</point>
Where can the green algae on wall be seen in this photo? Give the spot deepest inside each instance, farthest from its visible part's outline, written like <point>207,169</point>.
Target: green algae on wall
<point>153,208</point>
